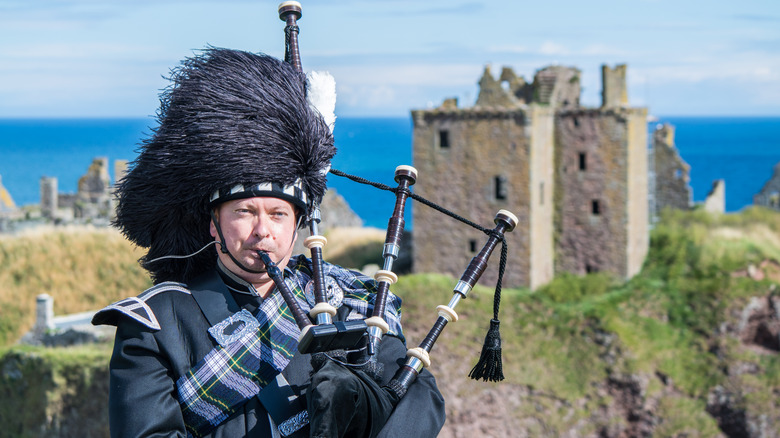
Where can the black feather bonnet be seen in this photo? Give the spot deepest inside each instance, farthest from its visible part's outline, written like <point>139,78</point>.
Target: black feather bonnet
<point>231,124</point>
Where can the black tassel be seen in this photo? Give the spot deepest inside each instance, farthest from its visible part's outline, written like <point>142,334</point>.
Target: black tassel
<point>489,366</point>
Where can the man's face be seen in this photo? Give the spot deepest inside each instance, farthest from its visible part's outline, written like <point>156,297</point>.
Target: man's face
<point>254,224</point>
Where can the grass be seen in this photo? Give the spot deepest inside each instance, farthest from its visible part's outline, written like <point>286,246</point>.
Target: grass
<point>62,387</point>
<point>82,268</point>
<point>563,340</point>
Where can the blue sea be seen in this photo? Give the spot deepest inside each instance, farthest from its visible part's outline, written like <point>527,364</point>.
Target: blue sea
<point>740,150</point>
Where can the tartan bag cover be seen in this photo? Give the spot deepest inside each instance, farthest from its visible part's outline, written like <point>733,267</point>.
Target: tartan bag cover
<point>229,375</point>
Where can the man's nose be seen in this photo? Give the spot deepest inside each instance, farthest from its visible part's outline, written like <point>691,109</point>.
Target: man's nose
<point>261,227</point>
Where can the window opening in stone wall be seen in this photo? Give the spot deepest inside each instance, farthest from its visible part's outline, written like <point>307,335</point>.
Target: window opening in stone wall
<point>473,245</point>
<point>576,122</point>
<point>541,193</point>
<point>444,139</point>
<point>595,208</point>
<point>500,187</point>
<point>583,161</point>
<point>589,269</point>
<point>678,173</point>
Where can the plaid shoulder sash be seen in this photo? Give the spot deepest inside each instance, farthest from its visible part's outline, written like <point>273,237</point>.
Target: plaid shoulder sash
<point>243,364</point>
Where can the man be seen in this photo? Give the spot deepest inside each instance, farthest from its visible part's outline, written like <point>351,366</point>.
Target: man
<point>238,161</point>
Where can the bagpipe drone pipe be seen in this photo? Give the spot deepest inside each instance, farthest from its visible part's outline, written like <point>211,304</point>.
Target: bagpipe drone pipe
<point>327,339</point>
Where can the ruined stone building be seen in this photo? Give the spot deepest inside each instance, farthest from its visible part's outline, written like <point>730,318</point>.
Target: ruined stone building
<point>93,199</point>
<point>716,198</point>
<point>769,195</point>
<point>671,172</point>
<point>576,177</point>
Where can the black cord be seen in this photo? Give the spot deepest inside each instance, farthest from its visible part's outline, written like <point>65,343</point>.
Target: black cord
<point>420,199</point>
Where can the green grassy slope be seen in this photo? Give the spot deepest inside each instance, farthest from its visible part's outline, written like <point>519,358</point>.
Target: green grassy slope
<point>576,352</point>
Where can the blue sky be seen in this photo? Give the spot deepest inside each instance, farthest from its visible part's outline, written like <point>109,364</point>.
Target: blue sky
<point>107,58</point>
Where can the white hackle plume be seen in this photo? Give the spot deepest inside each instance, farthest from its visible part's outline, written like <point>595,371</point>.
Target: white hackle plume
<point>322,95</point>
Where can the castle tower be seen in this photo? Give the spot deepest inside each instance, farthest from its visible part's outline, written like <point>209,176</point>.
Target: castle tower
<point>476,161</point>
<point>614,92</point>
<point>94,191</point>
<point>601,198</point>
<point>602,210</point>
<point>577,178</point>
<point>49,197</point>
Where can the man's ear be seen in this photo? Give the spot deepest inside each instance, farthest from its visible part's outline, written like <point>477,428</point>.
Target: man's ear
<point>212,226</point>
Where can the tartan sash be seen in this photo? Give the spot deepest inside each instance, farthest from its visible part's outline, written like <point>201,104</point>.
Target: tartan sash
<point>229,375</point>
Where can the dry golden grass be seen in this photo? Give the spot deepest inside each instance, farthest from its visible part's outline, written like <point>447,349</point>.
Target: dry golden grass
<point>354,247</point>
<point>82,268</point>
<point>87,268</point>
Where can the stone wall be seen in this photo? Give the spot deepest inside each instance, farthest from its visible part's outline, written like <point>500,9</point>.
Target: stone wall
<point>577,178</point>
<point>637,205</point>
<point>542,187</point>
<point>672,180</point>
<point>473,162</point>
<point>557,86</point>
<point>716,198</point>
<point>614,90</point>
<point>769,195</point>
<point>94,191</point>
<point>591,175</point>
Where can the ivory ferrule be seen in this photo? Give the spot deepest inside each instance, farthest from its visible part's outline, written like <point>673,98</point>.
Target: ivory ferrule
<point>321,308</point>
<point>303,333</point>
<point>378,323</point>
<point>315,241</point>
<point>447,313</point>
<point>387,276</point>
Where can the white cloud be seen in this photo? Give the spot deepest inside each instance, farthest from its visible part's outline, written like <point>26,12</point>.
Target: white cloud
<point>416,75</point>
<point>508,49</point>
<point>552,48</point>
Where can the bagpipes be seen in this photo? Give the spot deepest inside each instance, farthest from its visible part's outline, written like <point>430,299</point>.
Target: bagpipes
<point>327,335</point>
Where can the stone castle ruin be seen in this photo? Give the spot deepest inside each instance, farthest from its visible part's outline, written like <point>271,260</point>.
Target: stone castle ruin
<point>92,203</point>
<point>93,200</point>
<point>585,183</point>
<point>671,172</point>
<point>576,177</point>
<point>769,195</point>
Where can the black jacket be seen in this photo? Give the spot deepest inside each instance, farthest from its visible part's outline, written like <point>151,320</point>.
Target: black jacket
<point>162,334</point>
